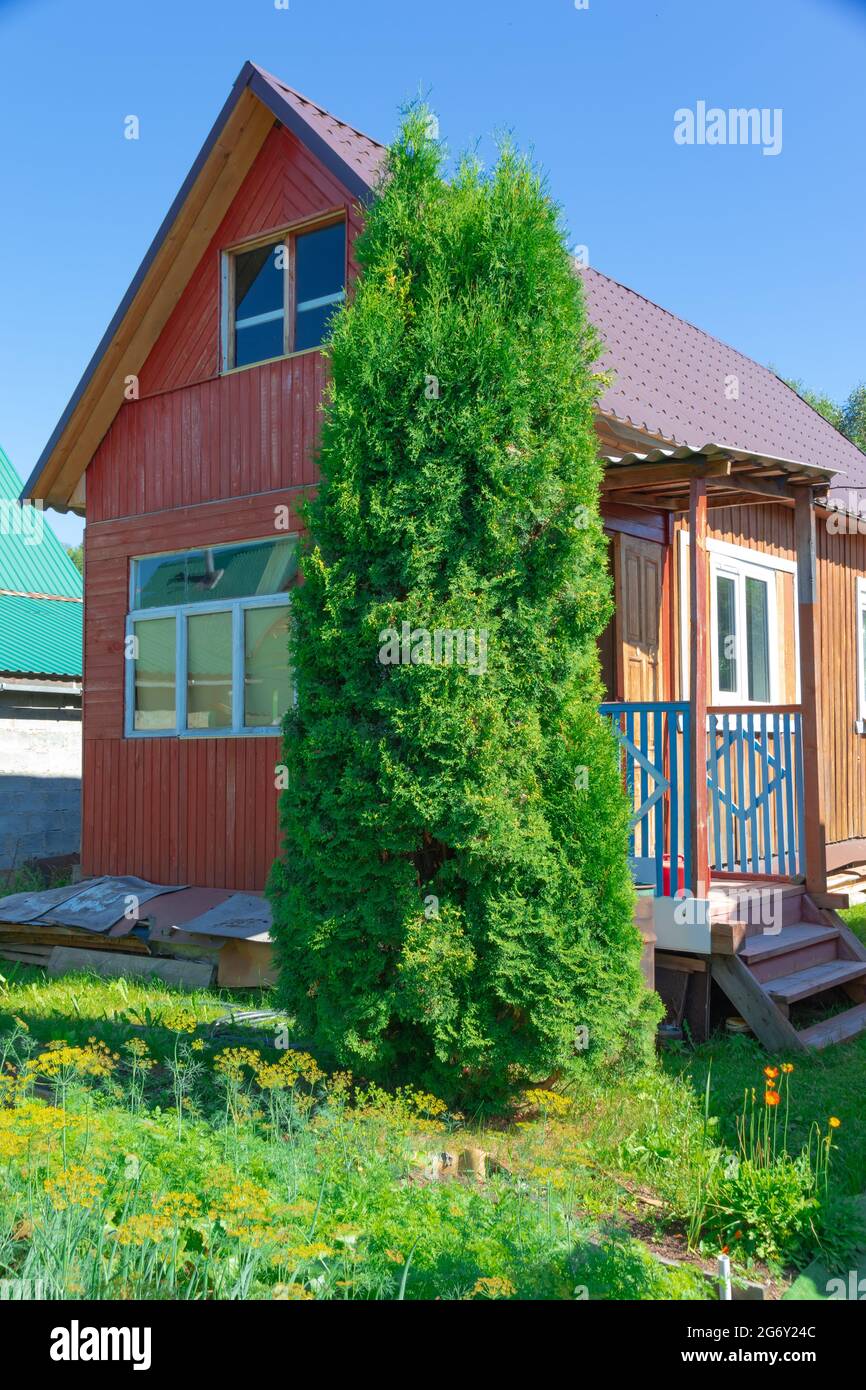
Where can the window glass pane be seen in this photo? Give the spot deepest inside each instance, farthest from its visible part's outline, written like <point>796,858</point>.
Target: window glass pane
<point>259,310</point>
<point>161,580</point>
<point>154,701</point>
<point>758,639</point>
<point>320,268</point>
<point>209,671</point>
<point>246,570</point>
<point>253,570</point>
<point>726,618</point>
<point>267,678</point>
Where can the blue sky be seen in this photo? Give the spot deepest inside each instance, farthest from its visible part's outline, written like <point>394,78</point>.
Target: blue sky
<point>766,252</point>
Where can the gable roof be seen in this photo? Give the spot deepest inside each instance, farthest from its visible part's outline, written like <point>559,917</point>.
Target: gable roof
<point>670,381</point>
<point>256,100</point>
<point>669,376</point>
<point>40,591</point>
<point>356,160</point>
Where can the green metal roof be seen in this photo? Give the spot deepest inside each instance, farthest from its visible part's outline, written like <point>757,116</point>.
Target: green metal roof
<point>38,636</point>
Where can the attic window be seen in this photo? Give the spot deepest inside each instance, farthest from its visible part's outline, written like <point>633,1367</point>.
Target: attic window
<point>279,294</point>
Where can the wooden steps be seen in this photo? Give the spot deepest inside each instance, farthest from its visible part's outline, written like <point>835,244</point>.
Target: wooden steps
<point>839,1028</point>
<point>802,984</point>
<point>795,938</point>
<point>771,970</point>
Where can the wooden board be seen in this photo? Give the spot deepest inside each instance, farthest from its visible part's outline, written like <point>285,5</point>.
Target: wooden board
<point>187,974</point>
<point>246,965</point>
<point>751,1001</point>
<point>26,933</point>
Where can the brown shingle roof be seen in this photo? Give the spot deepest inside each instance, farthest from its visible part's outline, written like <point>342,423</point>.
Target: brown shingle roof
<point>669,380</point>
<point>366,156</point>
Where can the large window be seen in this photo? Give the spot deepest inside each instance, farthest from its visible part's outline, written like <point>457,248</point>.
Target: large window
<point>279,295</point>
<point>741,633</point>
<point>752,611</point>
<point>207,640</point>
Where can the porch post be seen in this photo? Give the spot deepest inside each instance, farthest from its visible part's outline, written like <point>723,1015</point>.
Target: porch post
<point>698,572</point>
<point>810,693</point>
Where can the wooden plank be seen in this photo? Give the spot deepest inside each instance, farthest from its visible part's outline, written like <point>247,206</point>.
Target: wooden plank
<point>796,937</point>
<point>698,578</point>
<point>802,984</point>
<point>617,478</point>
<point>810,694</point>
<point>246,965</point>
<point>839,1028</point>
<point>751,1001</point>
<point>187,974</point>
<point>726,938</point>
<point>27,933</point>
<point>692,964</point>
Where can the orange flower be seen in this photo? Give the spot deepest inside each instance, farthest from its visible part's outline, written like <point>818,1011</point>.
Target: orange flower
<point>772,1098</point>
<point>738,1235</point>
<point>787,1068</point>
<point>771,1073</point>
<point>725,1249</point>
<point>833,1122</point>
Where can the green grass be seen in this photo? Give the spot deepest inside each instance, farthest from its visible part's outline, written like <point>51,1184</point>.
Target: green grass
<point>832,1082</point>
<point>344,1179</point>
<point>855,918</point>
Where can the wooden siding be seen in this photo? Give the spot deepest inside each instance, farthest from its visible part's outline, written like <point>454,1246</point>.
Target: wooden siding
<point>285,185</point>
<point>198,459</point>
<point>175,810</point>
<point>841,559</point>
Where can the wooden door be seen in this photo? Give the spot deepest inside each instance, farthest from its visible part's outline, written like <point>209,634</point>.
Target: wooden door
<point>639,612</point>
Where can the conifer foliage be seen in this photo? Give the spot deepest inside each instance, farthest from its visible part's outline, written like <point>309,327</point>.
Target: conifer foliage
<point>452,904</point>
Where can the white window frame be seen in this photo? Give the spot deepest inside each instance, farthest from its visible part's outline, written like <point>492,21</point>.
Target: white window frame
<point>285,237</point>
<point>860,609</point>
<point>739,563</point>
<point>181,612</point>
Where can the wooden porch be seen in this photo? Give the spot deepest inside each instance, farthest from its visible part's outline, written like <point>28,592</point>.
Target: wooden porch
<point>727,800</point>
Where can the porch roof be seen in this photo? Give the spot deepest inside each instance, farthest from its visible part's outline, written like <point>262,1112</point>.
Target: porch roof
<point>660,477</point>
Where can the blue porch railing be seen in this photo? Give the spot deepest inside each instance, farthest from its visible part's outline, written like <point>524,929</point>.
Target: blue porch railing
<point>656,768</point>
<point>755,781</point>
<point>754,772</point>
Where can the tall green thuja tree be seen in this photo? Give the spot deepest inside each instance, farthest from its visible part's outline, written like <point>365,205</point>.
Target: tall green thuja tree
<point>453,903</point>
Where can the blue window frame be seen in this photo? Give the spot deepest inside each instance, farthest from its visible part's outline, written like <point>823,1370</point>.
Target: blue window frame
<point>279,293</point>
<point>210,666</point>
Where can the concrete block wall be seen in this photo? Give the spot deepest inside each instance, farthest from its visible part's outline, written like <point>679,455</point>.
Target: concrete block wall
<point>40,777</point>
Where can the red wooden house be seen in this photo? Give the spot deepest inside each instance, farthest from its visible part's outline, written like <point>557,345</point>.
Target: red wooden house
<point>191,438</point>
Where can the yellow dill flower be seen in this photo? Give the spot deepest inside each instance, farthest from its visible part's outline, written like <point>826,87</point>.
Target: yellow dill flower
<point>147,1226</point>
<point>77,1186</point>
<point>178,1206</point>
<point>233,1061</point>
<point>62,1060</point>
<point>179,1020</point>
<point>496,1287</point>
<point>550,1103</point>
<point>314,1250</point>
<point>280,1075</point>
